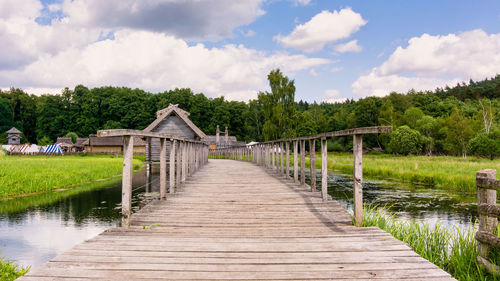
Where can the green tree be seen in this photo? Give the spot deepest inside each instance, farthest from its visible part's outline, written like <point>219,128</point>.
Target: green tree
<point>412,116</point>
<point>483,145</point>
<point>72,135</point>
<point>458,133</point>
<point>405,140</point>
<point>279,107</point>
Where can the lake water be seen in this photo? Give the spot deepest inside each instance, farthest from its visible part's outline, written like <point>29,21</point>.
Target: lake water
<point>34,235</point>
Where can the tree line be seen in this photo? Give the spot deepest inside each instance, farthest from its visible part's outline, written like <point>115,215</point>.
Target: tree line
<point>458,120</point>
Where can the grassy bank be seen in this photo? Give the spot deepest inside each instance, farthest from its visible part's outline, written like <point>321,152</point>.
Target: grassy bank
<point>10,271</point>
<point>452,173</point>
<point>452,249</point>
<point>22,175</point>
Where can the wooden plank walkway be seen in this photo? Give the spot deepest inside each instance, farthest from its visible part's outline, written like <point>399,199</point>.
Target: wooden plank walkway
<point>234,221</point>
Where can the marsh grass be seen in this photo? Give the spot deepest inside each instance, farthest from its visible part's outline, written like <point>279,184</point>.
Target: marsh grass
<point>452,249</point>
<point>22,175</point>
<point>445,172</point>
<point>11,271</point>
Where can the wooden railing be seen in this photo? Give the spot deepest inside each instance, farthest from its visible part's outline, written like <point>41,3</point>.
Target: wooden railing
<point>186,157</point>
<point>489,212</point>
<point>276,155</point>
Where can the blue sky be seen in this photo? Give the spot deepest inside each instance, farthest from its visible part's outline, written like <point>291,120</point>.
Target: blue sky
<point>332,49</point>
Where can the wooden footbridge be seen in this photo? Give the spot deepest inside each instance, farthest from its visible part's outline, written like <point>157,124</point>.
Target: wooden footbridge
<point>236,220</point>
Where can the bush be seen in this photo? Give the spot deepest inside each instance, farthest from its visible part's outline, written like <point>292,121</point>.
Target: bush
<point>484,145</point>
<point>72,135</point>
<point>405,141</point>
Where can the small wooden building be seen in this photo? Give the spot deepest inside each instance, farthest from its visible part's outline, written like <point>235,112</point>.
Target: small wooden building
<point>218,142</point>
<point>13,136</point>
<point>172,121</point>
<point>111,145</point>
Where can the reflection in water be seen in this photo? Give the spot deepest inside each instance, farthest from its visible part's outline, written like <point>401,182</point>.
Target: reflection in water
<point>35,229</point>
<point>405,200</point>
<point>38,232</point>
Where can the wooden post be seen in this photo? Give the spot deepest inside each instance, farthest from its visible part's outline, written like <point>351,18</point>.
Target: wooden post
<point>281,160</point>
<point>287,171</point>
<point>171,189</point>
<point>486,223</point>
<point>312,160</point>
<point>295,161</point>
<point>302,162</point>
<point>128,152</point>
<point>357,150</point>
<point>178,166</point>
<point>163,168</point>
<point>324,169</point>
<point>184,161</point>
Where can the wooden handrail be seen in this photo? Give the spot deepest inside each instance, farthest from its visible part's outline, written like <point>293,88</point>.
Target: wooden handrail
<point>487,186</point>
<point>266,154</point>
<point>186,157</point>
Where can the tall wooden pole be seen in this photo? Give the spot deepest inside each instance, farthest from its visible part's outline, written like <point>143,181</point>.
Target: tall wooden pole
<point>163,168</point>
<point>358,178</point>
<point>128,152</point>
<point>302,162</point>
<point>324,169</point>
<point>295,161</point>
<point>287,171</point>
<point>312,160</point>
<point>173,144</point>
<point>281,160</point>
<point>178,166</point>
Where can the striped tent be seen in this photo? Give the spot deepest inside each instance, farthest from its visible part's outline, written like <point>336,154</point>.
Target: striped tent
<point>52,149</point>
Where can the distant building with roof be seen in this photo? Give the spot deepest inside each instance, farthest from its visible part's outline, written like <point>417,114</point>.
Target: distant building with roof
<point>13,136</point>
<point>218,142</point>
<point>171,121</point>
<point>110,145</point>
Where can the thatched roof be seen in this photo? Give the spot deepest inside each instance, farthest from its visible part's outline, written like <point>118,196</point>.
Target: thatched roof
<point>64,140</point>
<point>163,114</point>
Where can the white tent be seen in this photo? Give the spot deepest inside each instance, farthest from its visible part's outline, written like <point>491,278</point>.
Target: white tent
<point>32,149</point>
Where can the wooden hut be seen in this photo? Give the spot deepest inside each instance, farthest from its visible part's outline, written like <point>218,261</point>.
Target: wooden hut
<point>13,136</point>
<point>111,145</point>
<point>172,121</point>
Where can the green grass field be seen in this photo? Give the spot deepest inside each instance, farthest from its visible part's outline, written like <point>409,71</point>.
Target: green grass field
<point>446,172</point>
<point>22,175</point>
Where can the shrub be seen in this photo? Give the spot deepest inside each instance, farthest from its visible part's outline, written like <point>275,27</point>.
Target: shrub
<point>405,141</point>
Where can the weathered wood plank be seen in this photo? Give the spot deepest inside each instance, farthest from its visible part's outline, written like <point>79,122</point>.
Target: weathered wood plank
<point>234,221</point>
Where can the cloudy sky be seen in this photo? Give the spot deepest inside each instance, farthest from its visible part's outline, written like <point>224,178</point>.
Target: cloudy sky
<point>333,49</point>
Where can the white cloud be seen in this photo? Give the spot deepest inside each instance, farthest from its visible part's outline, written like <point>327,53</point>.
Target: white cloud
<point>333,96</point>
<point>313,72</point>
<point>156,62</point>
<point>434,61</point>
<point>73,50</point>
<point>301,2</point>
<point>249,33</point>
<point>351,46</point>
<point>191,20</point>
<point>336,69</point>
<point>323,28</point>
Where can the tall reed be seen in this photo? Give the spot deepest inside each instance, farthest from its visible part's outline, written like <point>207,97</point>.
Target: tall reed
<point>452,249</point>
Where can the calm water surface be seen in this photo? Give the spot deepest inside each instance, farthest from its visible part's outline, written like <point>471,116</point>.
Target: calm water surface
<point>34,235</point>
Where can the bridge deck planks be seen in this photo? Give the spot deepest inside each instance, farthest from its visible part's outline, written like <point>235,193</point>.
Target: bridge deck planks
<point>234,221</point>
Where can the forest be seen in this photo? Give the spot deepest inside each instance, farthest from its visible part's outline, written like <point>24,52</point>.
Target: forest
<point>461,120</point>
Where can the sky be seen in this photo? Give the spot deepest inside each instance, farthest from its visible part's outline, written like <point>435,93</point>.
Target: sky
<point>334,50</point>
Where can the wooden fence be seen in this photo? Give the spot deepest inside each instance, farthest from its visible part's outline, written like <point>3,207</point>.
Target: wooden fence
<point>487,186</point>
<point>186,157</point>
<point>276,155</point>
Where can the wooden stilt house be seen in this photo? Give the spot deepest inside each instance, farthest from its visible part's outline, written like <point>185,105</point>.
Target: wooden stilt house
<point>172,121</point>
